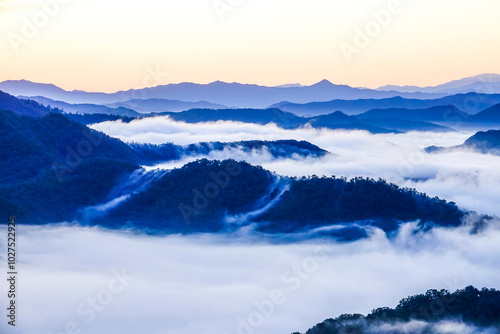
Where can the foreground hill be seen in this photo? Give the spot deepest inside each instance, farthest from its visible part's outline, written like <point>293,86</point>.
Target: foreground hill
<point>24,107</point>
<point>51,166</point>
<point>476,310</point>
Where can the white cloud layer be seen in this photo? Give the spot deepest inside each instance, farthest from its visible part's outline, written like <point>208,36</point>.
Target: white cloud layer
<point>80,278</point>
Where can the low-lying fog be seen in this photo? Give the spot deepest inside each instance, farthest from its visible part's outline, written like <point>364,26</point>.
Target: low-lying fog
<point>88,280</point>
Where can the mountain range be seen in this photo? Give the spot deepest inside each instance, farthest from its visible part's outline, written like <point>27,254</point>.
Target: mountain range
<point>470,103</point>
<point>286,120</point>
<point>175,97</point>
<point>390,120</point>
<point>484,83</point>
<point>221,93</point>
<point>125,108</point>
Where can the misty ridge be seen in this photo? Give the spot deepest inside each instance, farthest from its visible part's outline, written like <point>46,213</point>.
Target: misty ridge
<point>398,181</point>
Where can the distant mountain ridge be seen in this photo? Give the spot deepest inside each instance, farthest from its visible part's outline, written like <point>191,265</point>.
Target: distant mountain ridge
<point>222,93</point>
<point>125,108</point>
<point>484,83</point>
<point>287,120</point>
<point>255,96</point>
<point>488,116</point>
<point>433,114</point>
<point>470,103</point>
<point>374,121</point>
<point>163,105</point>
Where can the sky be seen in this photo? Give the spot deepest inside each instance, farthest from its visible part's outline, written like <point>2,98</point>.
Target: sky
<point>111,45</point>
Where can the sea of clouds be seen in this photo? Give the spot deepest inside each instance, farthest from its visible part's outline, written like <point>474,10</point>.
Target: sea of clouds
<point>75,279</point>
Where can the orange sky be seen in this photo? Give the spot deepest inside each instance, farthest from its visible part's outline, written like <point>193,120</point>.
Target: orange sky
<point>111,45</point>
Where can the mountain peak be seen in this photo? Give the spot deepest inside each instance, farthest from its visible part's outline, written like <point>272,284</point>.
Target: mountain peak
<point>219,83</point>
<point>324,82</point>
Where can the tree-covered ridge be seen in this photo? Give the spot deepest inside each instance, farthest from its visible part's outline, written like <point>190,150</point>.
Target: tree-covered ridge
<point>279,149</point>
<point>477,308</point>
<point>50,166</point>
<point>33,145</point>
<point>315,201</point>
<point>24,107</point>
<point>196,198</point>
<point>48,198</point>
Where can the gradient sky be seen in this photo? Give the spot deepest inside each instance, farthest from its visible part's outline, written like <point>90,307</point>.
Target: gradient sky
<point>110,45</point>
